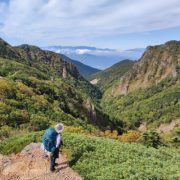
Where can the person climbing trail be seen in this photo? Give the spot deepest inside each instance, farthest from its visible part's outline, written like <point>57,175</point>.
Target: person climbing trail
<point>51,143</point>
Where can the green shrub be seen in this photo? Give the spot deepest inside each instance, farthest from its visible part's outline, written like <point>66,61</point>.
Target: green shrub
<point>38,122</point>
<point>5,132</point>
<point>17,143</point>
<point>151,139</point>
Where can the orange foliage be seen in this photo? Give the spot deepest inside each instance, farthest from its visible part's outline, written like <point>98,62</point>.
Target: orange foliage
<point>130,136</point>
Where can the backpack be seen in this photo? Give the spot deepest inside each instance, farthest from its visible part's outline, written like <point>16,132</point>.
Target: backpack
<point>49,140</point>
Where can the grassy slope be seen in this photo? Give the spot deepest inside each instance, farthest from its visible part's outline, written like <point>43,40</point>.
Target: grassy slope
<point>106,159</point>
<point>108,77</point>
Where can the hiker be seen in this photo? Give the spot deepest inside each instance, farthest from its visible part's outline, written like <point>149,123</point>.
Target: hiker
<point>51,143</point>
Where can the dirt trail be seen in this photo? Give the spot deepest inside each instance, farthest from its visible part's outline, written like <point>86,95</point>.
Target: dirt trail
<point>33,164</point>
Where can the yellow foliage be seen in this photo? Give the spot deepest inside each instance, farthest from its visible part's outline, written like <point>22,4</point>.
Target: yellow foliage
<point>24,89</point>
<point>112,135</point>
<point>130,136</point>
<point>5,86</point>
<point>107,133</point>
<point>2,105</point>
<point>73,129</point>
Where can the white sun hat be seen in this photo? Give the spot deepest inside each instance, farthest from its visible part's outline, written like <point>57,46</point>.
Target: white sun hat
<point>59,128</point>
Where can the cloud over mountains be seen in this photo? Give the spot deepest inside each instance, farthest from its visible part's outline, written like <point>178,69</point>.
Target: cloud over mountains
<point>97,57</point>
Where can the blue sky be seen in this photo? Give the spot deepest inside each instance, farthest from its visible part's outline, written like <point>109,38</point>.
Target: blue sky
<point>120,24</point>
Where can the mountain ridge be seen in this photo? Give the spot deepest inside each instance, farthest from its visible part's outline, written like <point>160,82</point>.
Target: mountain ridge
<point>55,83</point>
<point>100,58</point>
<point>156,64</point>
<point>149,92</point>
<point>106,78</point>
<point>83,69</point>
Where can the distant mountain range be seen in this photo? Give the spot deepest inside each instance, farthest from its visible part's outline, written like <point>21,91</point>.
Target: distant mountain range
<point>97,57</point>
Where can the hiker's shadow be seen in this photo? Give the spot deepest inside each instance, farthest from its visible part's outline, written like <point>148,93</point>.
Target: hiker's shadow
<point>63,163</point>
<point>62,166</point>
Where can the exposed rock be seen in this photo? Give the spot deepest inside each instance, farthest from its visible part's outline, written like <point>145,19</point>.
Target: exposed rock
<point>157,63</point>
<point>143,127</point>
<point>94,81</point>
<point>167,127</point>
<point>91,110</point>
<point>64,75</point>
<point>33,164</point>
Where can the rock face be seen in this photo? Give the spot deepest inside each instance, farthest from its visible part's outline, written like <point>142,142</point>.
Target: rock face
<point>157,63</point>
<point>33,164</point>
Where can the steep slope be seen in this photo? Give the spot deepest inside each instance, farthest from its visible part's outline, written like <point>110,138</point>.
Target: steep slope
<point>38,87</point>
<point>110,76</point>
<point>150,91</point>
<point>83,69</point>
<point>157,63</point>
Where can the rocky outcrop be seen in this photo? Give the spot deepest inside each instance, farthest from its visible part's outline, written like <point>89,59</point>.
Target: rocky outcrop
<point>91,110</point>
<point>33,164</point>
<point>157,63</point>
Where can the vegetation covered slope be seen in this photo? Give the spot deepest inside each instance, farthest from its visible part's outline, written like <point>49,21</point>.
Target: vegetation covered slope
<point>154,105</point>
<point>83,69</point>
<point>107,78</point>
<point>150,91</point>
<point>106,159</point>
<point>38,86</point>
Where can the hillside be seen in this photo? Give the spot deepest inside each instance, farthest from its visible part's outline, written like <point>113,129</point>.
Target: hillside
<point>92,157</point>
<point>83,69</point>
<point>150,91</point>
<point>38,87</point>
<point>108,77</point>
<point>157,63</point>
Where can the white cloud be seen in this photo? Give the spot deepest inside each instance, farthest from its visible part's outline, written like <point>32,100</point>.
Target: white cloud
<point>83,51</point>
<point>68,21</point>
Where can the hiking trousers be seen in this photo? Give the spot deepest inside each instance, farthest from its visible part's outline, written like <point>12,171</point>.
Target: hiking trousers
<point>53,158</point>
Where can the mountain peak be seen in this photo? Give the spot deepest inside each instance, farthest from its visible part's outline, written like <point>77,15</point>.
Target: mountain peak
<point>172,42</point>
<point>28,47</point>
<point>3,42</point>
<point>157,63</point>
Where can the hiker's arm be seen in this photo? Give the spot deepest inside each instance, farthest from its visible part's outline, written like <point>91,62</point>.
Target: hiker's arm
<point>58,141</point>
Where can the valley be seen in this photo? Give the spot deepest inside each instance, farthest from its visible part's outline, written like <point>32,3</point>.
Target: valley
<point>133,106</point>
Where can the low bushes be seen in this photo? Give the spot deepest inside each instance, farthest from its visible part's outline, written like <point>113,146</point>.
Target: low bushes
<point>107,159</point>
